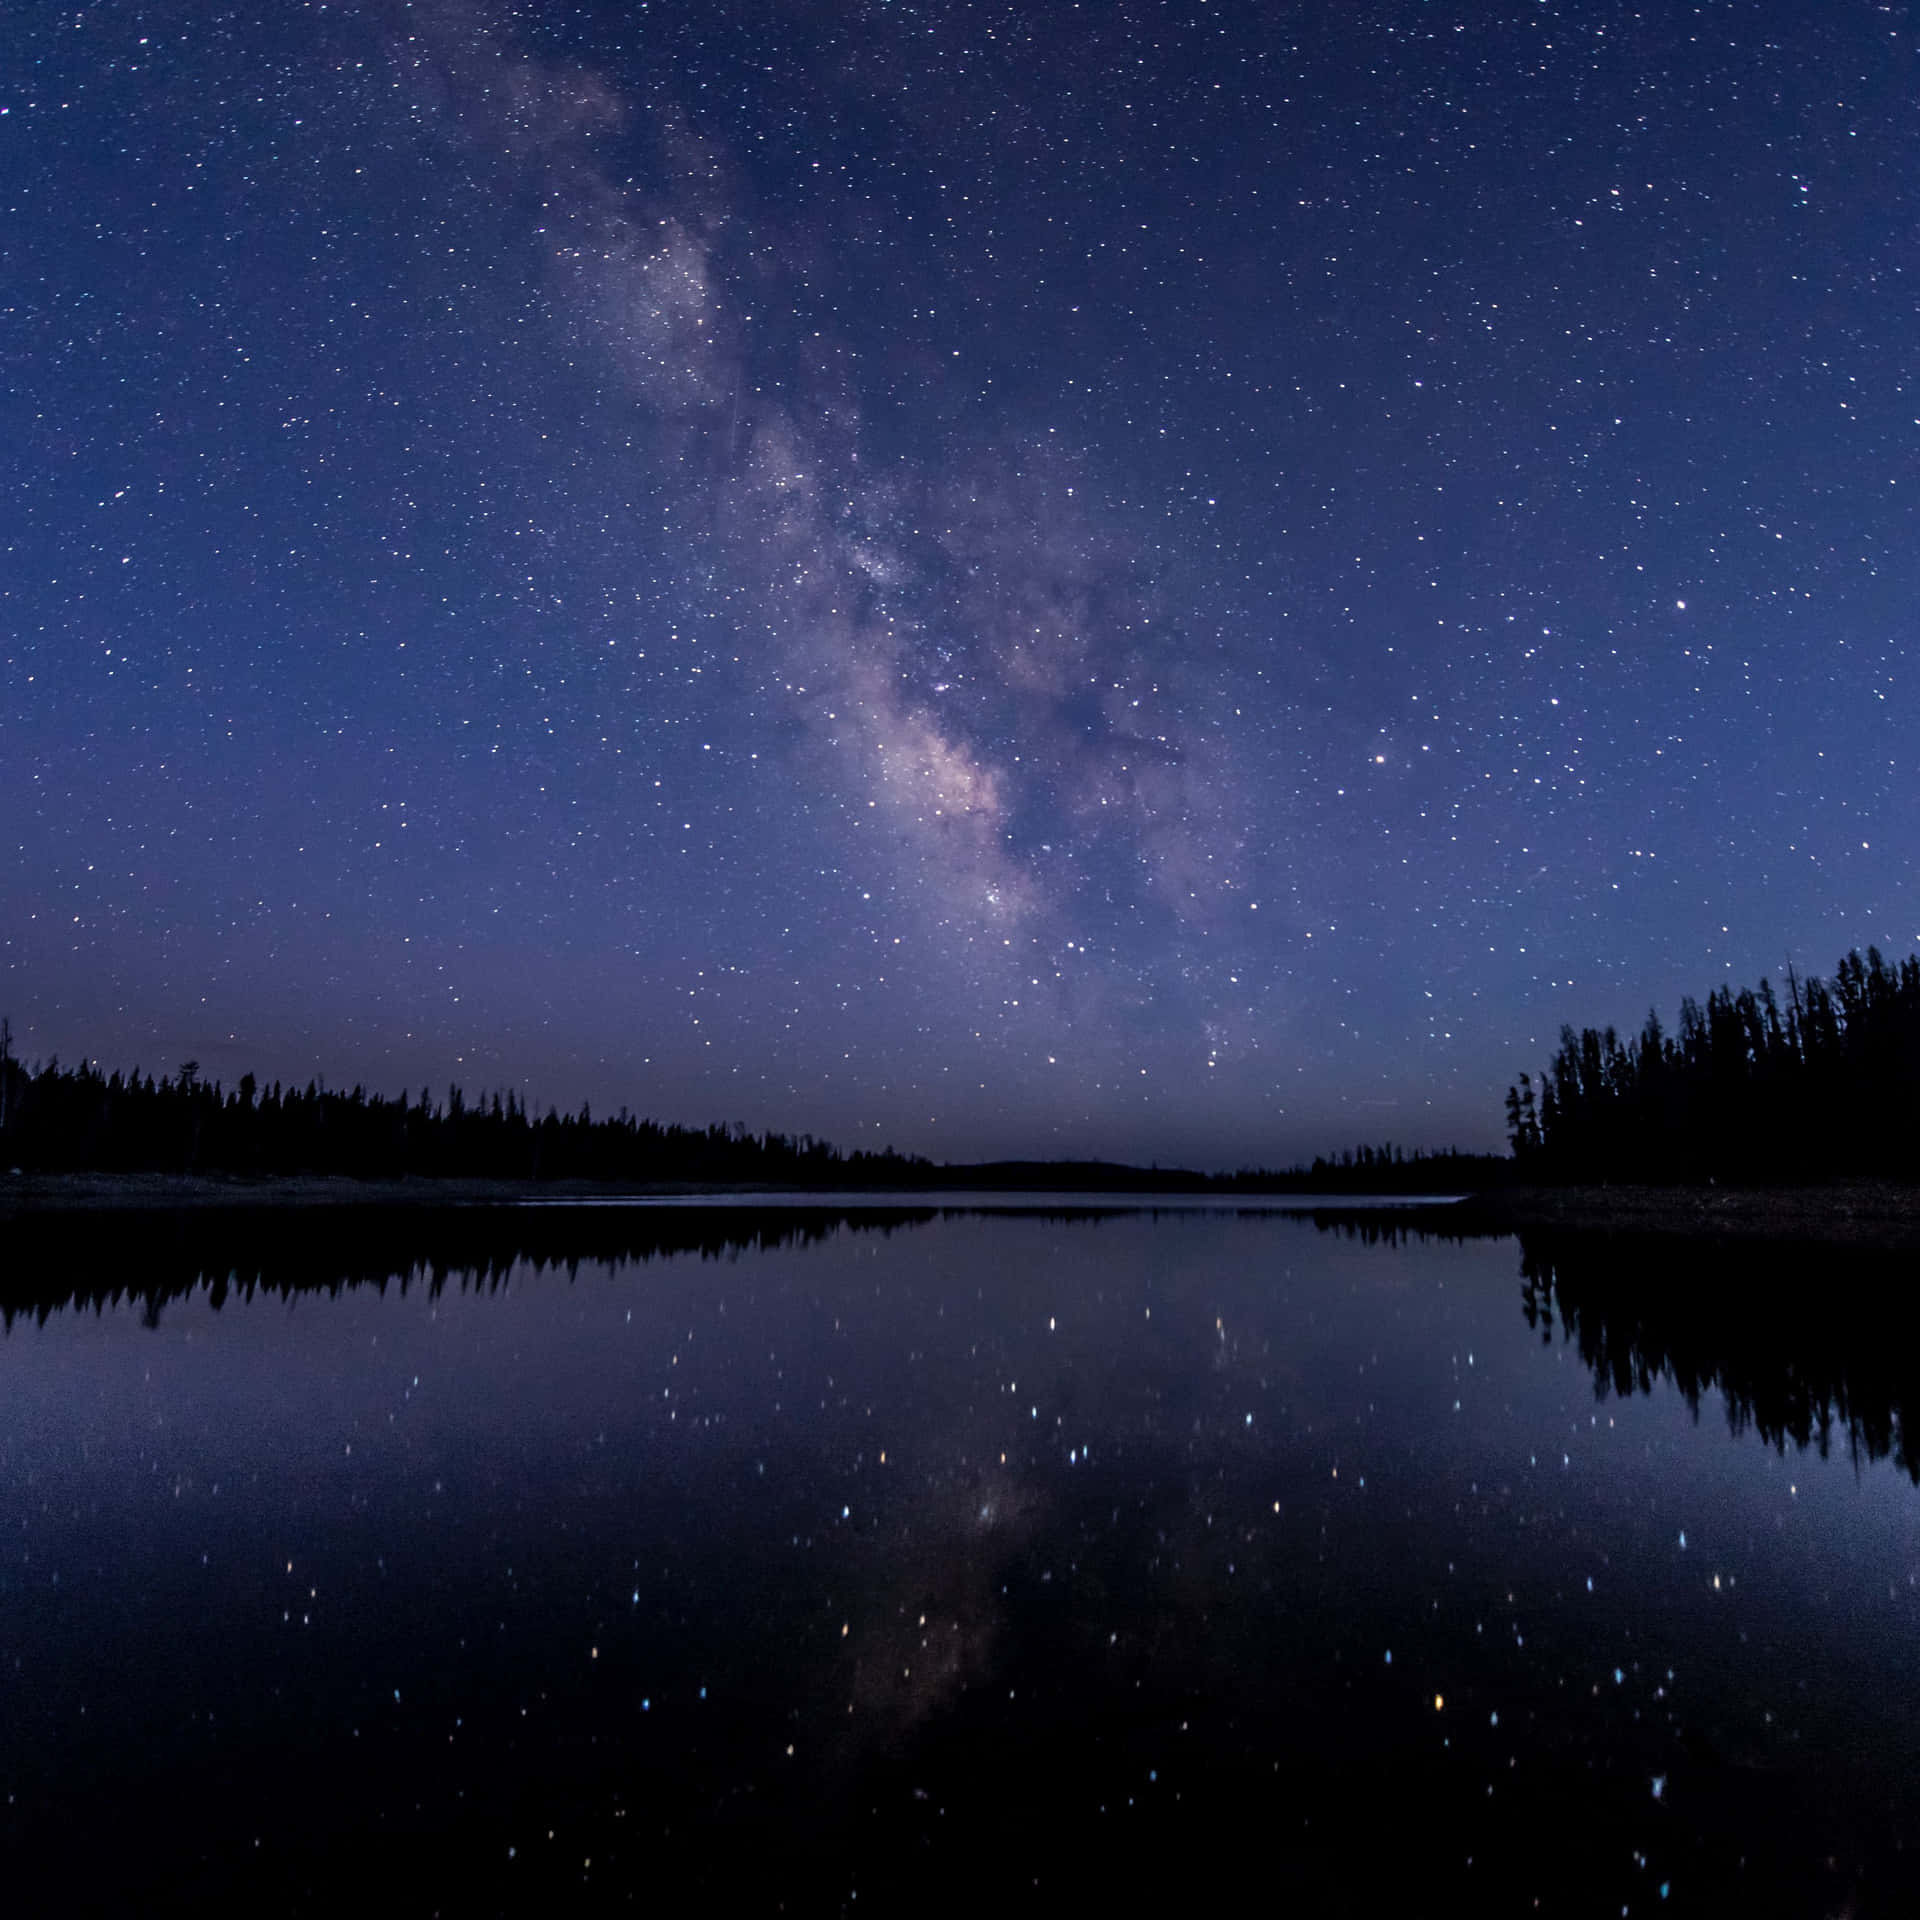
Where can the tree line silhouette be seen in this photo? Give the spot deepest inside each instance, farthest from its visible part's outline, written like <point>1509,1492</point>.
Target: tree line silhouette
<point>56,1119</point>
<point>1747,1088</point>
<point>1391,1169</point>
<point>80,1119</point>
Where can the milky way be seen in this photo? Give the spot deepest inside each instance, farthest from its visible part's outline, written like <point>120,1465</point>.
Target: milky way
<point>971,661</point>
<point>1186,585</point>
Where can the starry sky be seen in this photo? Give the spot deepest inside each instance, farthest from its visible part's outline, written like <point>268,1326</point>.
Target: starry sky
<point>1177,581</point>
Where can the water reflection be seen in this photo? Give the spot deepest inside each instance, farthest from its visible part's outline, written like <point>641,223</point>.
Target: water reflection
<point>151,1259</point>
<point>1805,1346</point>
<point>936,1555</point>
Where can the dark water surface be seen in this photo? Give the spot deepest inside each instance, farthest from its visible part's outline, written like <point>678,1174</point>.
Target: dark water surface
<point>892,1560</point>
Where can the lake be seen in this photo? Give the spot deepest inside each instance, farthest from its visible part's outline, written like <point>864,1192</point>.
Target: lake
<point>895,1557</point>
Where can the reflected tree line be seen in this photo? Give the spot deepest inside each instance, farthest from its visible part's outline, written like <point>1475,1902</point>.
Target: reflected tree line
<point>1751,1086</point>
<point>147,1258</point>
<point>1806,1344</point>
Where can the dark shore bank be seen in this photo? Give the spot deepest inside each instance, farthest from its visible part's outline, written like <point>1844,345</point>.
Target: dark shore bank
<point>1884,1215</point>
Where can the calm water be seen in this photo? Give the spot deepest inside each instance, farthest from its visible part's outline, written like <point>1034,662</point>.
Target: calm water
<point>889,1560</point>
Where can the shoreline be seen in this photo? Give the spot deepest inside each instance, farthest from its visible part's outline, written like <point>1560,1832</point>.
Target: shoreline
<point>34,1194</point>
<point>1864,1213</point>
<point>1882,1215</point>
<point>100,1192</point>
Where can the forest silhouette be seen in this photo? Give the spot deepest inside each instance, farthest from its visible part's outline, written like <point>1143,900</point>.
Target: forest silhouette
<point>83,1120</point>
<point>63,1120</point>
<point>1750,1087</point>
<point>1747,1089</point>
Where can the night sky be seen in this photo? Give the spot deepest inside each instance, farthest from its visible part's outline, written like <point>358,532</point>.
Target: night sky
<point>1172,581</point>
